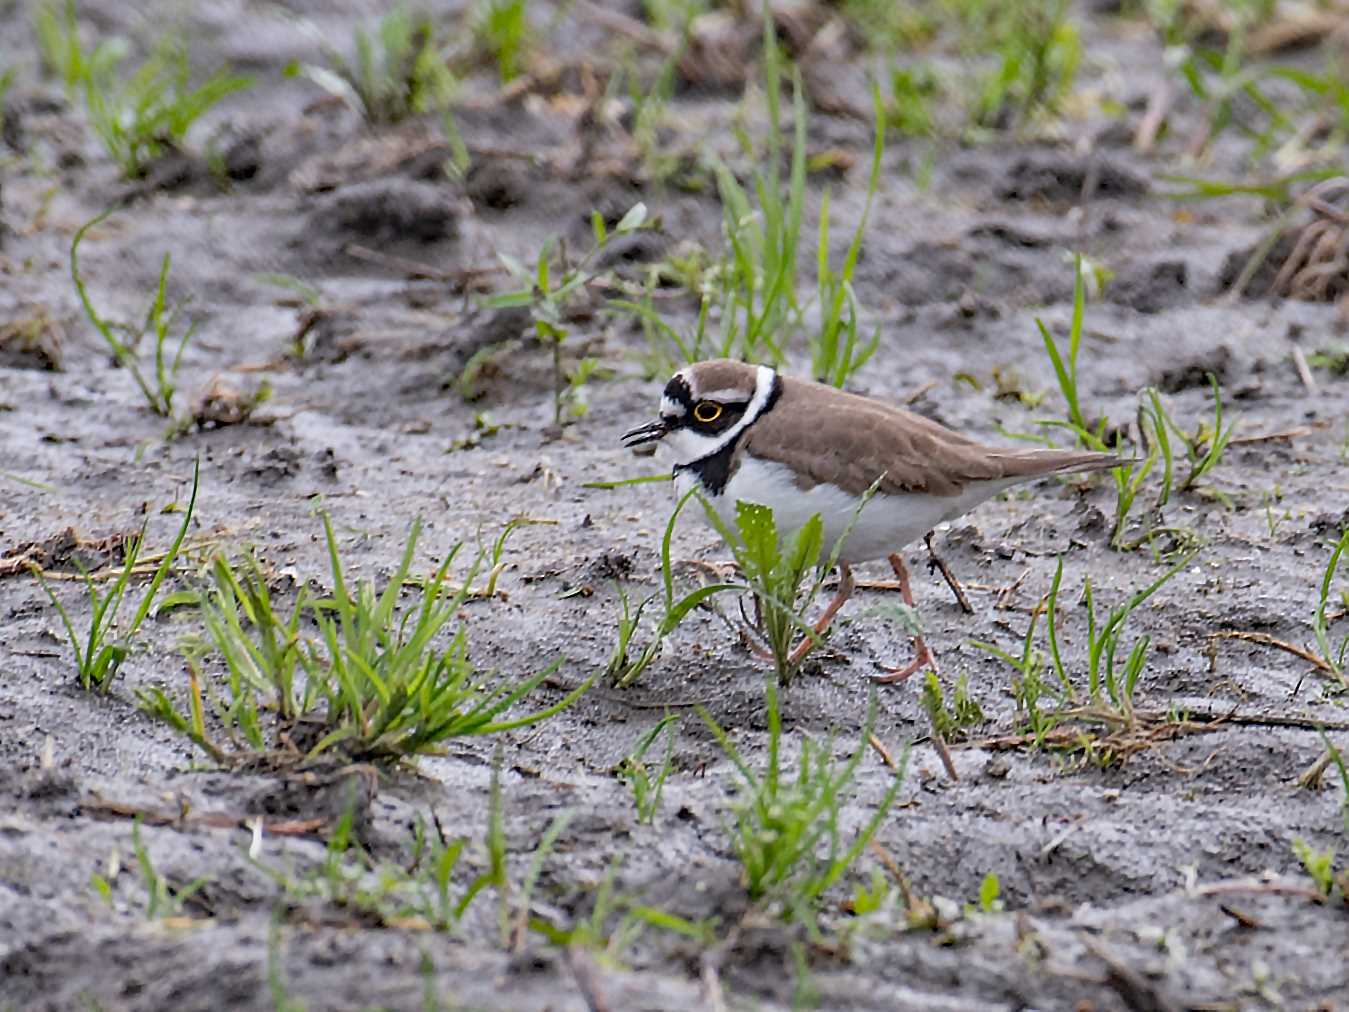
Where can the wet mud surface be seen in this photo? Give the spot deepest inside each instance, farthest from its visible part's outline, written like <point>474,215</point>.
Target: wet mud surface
<point>1167,881</point>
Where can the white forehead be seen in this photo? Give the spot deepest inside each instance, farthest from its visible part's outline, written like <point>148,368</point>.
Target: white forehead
<point>669,407</point>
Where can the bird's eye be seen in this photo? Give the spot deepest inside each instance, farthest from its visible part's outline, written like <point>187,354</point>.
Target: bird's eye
<point>706,411</point>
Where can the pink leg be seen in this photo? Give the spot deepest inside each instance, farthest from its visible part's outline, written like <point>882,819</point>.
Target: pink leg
<point>845,589</point>
<point>924,656</point>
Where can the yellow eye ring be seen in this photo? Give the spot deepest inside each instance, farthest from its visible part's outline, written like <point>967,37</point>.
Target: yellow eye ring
<point>706,411</point>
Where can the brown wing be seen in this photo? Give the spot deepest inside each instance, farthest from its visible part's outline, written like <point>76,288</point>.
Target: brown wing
<point>826,435</point>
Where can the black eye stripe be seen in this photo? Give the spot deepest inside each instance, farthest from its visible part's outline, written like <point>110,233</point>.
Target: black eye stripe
<point>729,415</point>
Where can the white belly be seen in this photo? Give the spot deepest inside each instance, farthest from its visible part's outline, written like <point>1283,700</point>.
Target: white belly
<point>886,524</point>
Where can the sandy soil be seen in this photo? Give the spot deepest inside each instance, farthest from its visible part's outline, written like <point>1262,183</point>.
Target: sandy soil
<point>1131,886</point>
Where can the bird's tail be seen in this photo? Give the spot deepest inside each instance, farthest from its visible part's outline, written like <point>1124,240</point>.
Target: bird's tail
<point>1034,463</point>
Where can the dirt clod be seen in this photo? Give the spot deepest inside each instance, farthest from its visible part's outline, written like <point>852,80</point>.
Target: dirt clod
<point>1060,179</point>
<point>388,210</point>
<point>1151,287</point>
<point>1194,373</point>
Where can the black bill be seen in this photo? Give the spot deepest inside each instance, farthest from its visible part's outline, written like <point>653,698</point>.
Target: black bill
<point>648,433</point>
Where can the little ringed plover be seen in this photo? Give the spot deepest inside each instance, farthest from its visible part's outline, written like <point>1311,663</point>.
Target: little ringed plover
<point>742,432</point>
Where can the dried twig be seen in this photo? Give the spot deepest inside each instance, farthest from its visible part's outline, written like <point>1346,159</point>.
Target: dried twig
<point>1003,602</point>
<point>944,752</point>
<point>1272,437</point>
<point>935,561</point>
<point>1310,778</point>
<point>587,976</point>
<point>213,820</point>
<point>1265,720</point>
<point>463,276</point>
<point>1304,372</point>
<point>1317,269</point>
<point>1135,990</point>
<point>662,42</point>
<point>712,991</point>
<point>918,911</point>
<point>918,394</point>
<point>1150,125</point>
<point>883,752</point>
<point>1265,639</point>
<point>1269,886</point>
<point>146,565</point>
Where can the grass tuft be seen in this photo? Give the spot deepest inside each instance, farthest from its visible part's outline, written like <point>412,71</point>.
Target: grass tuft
<point>1091,710</point>
<point>501,32</point>
<point>782,572</point>
<point>1035,51</point>
<point>646,788</point>
<point>1332,653</point>
<point>101,651</point>
<point>787,832</point>
<point>159,389</point>
<point>161,898</point>
<point>951,720</point>
<point>616,921</point>
<point>372,682</point>
<point>398,71</point>
<point>836,351</point>
<point>57,28</point>
<point>551,301</point>
<point>141,115</point>
<point>775,569</point>
<point>1203,449</point>
<point>149,112</point>
<point>1321,866</point>
<point>431,891</point>
<point>757,279</point>
<point>749,307</point>
<point>624,668</point>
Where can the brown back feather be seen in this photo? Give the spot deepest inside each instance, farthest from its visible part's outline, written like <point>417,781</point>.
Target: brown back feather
<point>861,439</point>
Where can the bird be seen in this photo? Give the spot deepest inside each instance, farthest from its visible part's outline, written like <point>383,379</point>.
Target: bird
<point>741,432</point>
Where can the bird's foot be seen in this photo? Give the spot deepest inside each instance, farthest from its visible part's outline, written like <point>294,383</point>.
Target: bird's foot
<point>924,658</point>
<point>846,585</point>
<point>804,647</point>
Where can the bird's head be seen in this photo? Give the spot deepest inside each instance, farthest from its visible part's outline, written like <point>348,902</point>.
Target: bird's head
<point>705,406</point>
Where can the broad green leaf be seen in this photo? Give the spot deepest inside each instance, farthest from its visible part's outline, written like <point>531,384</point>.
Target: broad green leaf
<point>759,536</point>
<point>633,220</point>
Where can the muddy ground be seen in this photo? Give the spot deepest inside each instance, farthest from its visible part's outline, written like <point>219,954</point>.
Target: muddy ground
<point>1168,881</point>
